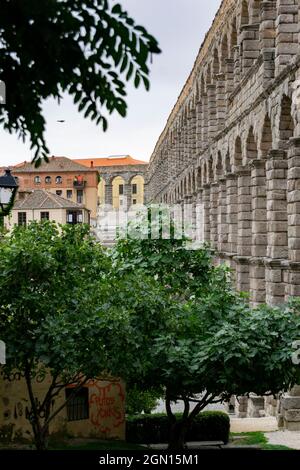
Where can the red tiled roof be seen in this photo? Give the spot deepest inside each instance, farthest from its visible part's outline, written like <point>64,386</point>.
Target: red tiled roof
<point>110,161</point>
<point>55,164</point>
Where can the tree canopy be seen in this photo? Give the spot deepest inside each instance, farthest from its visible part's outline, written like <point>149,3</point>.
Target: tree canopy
<point>86,48</point>
<point>52,312</point>
<point>210,343</point>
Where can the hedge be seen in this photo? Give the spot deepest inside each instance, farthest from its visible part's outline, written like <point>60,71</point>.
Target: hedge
<point>155,428</point>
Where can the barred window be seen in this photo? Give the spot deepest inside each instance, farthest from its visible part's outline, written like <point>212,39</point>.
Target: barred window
<point>78,406</point>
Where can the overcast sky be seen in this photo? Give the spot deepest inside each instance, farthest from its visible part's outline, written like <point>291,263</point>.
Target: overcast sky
<point>180,27</point>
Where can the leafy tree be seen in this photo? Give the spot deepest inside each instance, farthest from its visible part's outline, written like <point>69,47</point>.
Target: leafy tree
<point>208,343</point>
<point>141,401</point>
<point>53,316</point>
<point>86,48</point>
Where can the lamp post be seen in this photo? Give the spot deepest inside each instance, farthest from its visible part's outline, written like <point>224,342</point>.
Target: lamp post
<point>8,191</point>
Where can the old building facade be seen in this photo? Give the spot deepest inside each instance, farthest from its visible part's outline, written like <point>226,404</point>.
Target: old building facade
<point>63,177</point>
<point>232,144</point>
<point>121,180</point>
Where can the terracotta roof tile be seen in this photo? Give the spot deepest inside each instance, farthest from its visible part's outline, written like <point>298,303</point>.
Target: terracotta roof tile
<point>110,161</point>
<point>42,199</point>
<point>57,164</point>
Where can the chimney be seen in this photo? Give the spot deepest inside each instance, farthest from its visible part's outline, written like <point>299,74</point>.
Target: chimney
<point>92,164</point>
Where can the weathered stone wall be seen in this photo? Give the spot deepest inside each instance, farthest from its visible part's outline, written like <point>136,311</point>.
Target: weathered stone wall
<point>232,143</point>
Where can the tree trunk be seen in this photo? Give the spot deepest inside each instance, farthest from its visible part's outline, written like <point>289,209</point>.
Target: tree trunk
<point>178,433</point>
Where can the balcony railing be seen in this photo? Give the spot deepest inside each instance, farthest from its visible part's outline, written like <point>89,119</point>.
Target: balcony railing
<point>79,183</point>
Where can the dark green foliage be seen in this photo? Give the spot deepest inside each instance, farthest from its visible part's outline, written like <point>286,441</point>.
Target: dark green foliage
<point>87,48</point>
<point>155,429</point>
<point>208,343</point>
<point>53,312</point>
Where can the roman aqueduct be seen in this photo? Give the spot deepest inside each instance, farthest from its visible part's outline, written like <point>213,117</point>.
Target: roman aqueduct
<point>232,143</point>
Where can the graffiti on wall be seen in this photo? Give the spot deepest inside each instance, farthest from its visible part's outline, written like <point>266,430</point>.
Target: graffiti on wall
<point>107,405</point>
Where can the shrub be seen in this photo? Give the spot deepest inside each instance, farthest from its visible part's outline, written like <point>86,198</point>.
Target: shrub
<point>154,429</point>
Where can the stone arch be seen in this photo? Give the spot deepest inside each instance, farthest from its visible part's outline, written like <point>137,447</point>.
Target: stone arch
<point>224,51</point>
<point>251,146</point>
<point>266,142</point>
<point>238,154</point>
<point>286,122</point>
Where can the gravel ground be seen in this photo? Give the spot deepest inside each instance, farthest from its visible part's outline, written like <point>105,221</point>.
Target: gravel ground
<point>253,424</point>
<point>285,438</point>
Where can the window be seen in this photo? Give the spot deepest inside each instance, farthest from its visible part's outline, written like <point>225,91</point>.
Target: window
<point>79,196</point>
<point>44,215</point>
<point>74,217</point>
<point>21,218</point>
<point>134,189</point>
<point>48,180</point>
<point>58,180</point>
<point>37,180</point>
<point>78,406</point>
<point>69,193</point>
<point>121,189</point>
<point>133,201</point>
<point>59,192</point>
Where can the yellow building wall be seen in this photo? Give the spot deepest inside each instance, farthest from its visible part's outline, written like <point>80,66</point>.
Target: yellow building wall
<point>139,181</point>
<point>90,196</point>
<point>106,410</point>
<point>101,192</point>
<point>117,181</point>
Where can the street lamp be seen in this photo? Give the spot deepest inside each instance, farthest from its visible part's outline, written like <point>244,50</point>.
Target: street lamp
<point>8,191</point>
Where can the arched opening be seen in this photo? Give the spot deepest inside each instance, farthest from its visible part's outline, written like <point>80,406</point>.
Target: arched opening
<point>194,181</point>
<point>208,75</point>
<point>199,178</point>
<point>227,163</point>
<point>286,123</point>
<point>245,13</point>
<point>219,167</point>
<point>204,173</point>
<point>224,52</point>
<point>266,138</point>
<point>215,64</point>
<point>238,157</point>
<point>251,147</point>
<point>210,170</point>
<point>255,11</point>
<point>233,37</point>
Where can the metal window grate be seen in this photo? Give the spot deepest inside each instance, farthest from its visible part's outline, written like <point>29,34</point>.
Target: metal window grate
<point>78,406</point>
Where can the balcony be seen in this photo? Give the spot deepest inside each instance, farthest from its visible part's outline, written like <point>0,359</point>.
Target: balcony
<point>79,183</point>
